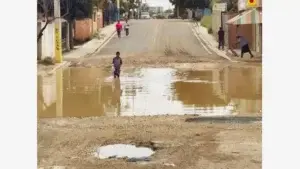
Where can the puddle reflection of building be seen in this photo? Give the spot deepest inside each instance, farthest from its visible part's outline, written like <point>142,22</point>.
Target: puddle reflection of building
<point>205,97</point>
<point>76,93</point>
<point>46,96</point>
<point>243,85</point>
<point>82,88</point>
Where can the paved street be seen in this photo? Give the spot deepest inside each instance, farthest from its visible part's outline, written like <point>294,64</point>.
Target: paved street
<point>169,82</point>
<point>157,42</point>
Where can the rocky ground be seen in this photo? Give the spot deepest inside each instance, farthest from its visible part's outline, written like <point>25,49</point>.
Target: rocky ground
<point>72,142</point>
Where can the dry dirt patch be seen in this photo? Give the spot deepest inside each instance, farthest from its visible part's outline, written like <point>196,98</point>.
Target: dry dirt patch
<point>71,142</point>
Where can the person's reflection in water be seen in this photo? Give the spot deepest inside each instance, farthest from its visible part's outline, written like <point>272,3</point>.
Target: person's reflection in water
<point>116,97</point>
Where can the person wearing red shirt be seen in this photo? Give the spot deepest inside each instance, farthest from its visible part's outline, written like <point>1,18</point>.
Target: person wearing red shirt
<point>119,28</point>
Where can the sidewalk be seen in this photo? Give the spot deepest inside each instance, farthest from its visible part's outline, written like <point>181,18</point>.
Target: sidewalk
<point>82,51</point>
<point>212,43</point>
<point>93,45</point>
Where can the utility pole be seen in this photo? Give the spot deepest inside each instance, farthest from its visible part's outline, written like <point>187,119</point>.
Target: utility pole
<point>58,48</point>
<point>139,11</point>
<point>118,8</point>
<point>178,4</point>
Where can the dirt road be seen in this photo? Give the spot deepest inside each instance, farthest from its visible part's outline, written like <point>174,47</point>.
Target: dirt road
<point>187,145</point>
<point>78,121</point>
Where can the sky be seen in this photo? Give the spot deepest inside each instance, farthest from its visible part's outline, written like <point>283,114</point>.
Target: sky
<point>164,3</point>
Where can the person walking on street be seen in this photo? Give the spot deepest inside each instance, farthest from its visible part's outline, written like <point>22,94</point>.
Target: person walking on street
<point>119,28</point>
<point>126,27</point>
<point>244,45</point>
<point>221,38</point>
<point>117,63</point>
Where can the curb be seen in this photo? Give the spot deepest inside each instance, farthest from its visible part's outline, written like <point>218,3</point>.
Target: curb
<point>97,49</point>
<point>102,44</point>
<point>91,51</point>
<point>210,45</point>
<point>59,66</point>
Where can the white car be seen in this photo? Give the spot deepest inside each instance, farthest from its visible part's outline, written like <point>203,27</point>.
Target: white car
<point>145,15</point>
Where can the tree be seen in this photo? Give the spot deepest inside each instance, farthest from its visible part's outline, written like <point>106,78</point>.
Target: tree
<point>194,4</point>
<point>145,7</point>
<point>232,5</point>
<point>46,13</point>
<point>168,11</point>
<point>179,5</point>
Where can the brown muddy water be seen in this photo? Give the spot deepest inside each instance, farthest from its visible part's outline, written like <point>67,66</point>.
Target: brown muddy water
<point>87,92</point>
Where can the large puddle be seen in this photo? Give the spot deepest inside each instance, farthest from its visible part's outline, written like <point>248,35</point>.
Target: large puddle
<point>85,92</point>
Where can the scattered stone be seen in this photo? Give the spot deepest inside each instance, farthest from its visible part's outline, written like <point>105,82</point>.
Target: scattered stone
<point>48,61</point>
<point>169,164</point>
<point>138,159</point>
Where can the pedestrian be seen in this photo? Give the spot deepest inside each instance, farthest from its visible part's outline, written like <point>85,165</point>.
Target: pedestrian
<point>221,38</point>
<point>126,27</point>
<point>119,28</point>
<point>117,63</point>
<point>244,45</point>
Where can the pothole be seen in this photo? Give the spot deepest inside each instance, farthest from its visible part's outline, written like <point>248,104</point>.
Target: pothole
<point>128,151</point>
<point>238,120</point>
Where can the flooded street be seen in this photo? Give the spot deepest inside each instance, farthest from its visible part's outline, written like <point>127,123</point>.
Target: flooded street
<point>178,104</point>
<point>86,92</point>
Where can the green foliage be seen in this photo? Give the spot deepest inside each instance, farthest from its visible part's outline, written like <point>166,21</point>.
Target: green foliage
<point>232,5</point>
<point>169,11</point>
<point>206,21</point>
<point>212,2</point>
<point>160,17</point>
<point>191,3</point>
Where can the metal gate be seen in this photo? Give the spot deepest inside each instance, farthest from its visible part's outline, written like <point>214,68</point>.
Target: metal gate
<point>64,36</point>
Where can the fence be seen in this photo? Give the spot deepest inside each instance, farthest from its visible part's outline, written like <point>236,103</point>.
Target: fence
<point>64,35</point>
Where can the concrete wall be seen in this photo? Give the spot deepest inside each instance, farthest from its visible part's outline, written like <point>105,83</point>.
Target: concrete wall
<point>99,19</point>
<point>190,14</point>
<point>83,29</point>
<point>216,22</point>
<point>47,41</point>
<point>225,18</point>
<point>46,44</point>
<point>231,31</point>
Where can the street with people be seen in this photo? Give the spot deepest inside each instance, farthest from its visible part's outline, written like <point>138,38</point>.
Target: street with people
<point>148,88</point>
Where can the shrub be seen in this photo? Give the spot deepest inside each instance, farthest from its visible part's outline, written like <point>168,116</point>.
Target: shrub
<point>206,21</point>
<point>210,31</point>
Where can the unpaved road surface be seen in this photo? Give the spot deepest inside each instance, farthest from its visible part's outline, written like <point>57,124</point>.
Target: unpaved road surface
<point>187,145</point>
<point>70,142</point>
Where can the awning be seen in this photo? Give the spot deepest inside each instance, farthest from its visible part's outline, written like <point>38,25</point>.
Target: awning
<point>252,16</point>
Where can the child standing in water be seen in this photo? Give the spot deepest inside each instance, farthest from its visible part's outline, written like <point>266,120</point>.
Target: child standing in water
<point>117,63</point>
